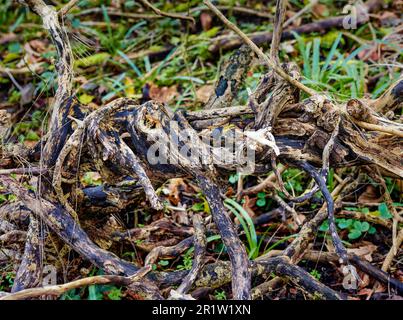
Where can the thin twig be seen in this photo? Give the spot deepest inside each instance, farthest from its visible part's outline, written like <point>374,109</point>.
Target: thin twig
<point>200,242</point>
<point>66,8</point>
<point>259,52</point>
<point>375,127</point>
<point>278,30</point>
<point>299,13</point>
<point>167,14</point>
<point>32,171</point>
<point>57,290</point>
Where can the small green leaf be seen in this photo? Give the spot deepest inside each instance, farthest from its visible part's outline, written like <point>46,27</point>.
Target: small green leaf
<point>261,195</point>
<point>383,209</point>
<point>354,234</point>
<point>324,226</point>
<point>261,202</point>
<point>357,225</point>
<point>345,223</point>
<point>351,209</point>
<point>233,178</point>
<point>365,226</point>
<point>372,230</point>
<point>163,263</point>
<point>198,207</point>
<point>85,98</point>
<point>32,136</point>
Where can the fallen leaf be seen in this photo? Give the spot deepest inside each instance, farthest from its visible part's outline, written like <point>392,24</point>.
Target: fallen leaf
<point>181,217</point>
<point>85,98</point>
<point>296,22</point>
<point>7,37</point>
<point>370,195</point>
<point>204,93</point>
<point>320,10</point>
<point>129,87</point>
<point>369,54</point>
<point>206,20</point>
<point>163,94</point>
<point>40,46</point>
<point>364,251</point>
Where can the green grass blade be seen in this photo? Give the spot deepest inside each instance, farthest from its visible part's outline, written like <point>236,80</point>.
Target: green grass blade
<point>330,55</point>
<point>316,59</point>
<point>130,63</point>
<point>247,218</point>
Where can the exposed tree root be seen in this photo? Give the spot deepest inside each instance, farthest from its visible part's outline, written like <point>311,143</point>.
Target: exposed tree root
<point>313,134</point>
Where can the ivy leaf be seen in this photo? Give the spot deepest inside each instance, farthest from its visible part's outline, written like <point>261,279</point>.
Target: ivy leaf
<point>354,234</point>
<point>372,230</point>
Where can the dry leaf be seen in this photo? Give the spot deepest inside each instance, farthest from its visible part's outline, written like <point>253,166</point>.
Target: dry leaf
<point>369,54</point>
<point>8,37</point>
<point>320,10</point>
<point>163,94</point>
<point>181,217</point>
<point>206,20</point>
<point>364,251</point>
<point>370,195</point>
<point>39,46</point>
<point>204,93</point>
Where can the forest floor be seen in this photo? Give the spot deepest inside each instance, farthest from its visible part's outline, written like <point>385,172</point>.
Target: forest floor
<point>123,49</point>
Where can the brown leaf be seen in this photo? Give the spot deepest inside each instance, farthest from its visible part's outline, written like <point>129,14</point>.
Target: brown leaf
<point>364,251</point>
<point>39,46</point>
<point>181,217</point>
<point>7,37</point>
<point>320,10</point>
<point>296,22</point>
<point>206,20</point>
<point>369,54</point>
<point>163,94</point>
<point>203,93</point>
<point>370,195</point>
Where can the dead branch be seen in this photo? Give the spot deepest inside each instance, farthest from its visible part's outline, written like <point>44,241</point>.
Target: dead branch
<point>58,290</point>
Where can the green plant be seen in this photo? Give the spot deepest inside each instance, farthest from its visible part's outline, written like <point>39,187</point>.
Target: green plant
<point>355,228</point>
<point>201,206</point>
<point>293,180</point>
<point>95,292</point>
<point>316,274</point>
<point>220,295</point>
<point>261,199</point>
<point>6,280</point>
<point>27,130</point>
<point>187,261</point>
<point>233,178</point>
<point>340,76</point>
<point>247,225</point>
